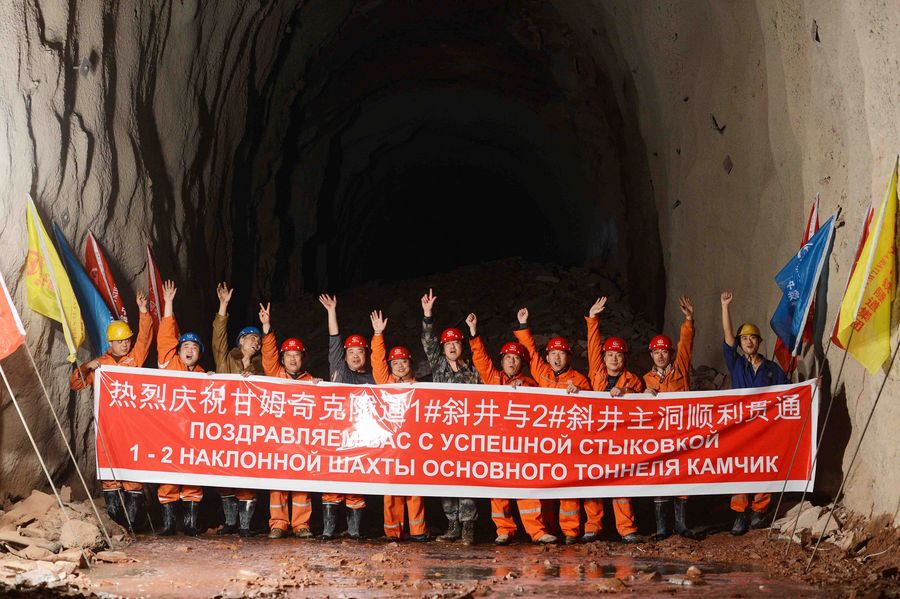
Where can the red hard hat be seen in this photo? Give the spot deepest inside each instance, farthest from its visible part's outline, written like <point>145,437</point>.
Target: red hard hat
<point>451,334</point>
<point>514,348</point>
<point>399,353</point>
<point>355,341</point>
<point>615,344</point>
<point>292,344</point>
<point>661,342</point>
<point>558,343</point>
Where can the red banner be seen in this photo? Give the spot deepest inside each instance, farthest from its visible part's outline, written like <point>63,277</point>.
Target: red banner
<point>98,270</point>
<point>448,440</point>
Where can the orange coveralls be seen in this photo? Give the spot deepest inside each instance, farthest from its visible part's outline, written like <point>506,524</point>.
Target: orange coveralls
<point>394,504</point>
<point>301,503</point>
<point>80,379</point>
<point>569,509</point>
<point>168,359</point>
<point>631,383</point>
<point>501,512</point>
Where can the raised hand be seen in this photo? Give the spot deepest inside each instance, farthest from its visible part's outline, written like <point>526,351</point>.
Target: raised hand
<point>687,308</point>
<point>168,291</point>
<point>379,323</point>
<point>522,315</point>
<point>329,301</point>
<point>428,303</point>
<point>598,307</point>
<point>265,317</point>
<point>141,298</point>
<point>726,297</point>
<point>472,321</point>
<point>224,292</point>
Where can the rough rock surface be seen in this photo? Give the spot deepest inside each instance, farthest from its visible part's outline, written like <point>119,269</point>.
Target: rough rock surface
<point>675,145</point>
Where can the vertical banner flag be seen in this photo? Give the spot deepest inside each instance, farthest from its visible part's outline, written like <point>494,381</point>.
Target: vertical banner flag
<point>154,290</point>
<point>782,354</point>
<point>798,281</point>
<point>863,236</point>
<point>93,309</point>
<point>12,333</point>
<point>49,290</point>
<point>98,270</point>
<point>866,308</point>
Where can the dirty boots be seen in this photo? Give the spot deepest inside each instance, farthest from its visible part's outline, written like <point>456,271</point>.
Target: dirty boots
<point>354,519</point>
<point>245,515</point>
<point>230,509</point>
<point>169,519</point>
<point>468,532</point>
<point>741,523</point>
<point>191,512</point>
<point>114,506</point>
<point>681,527</point>
<point>454,532</point>
<point>133,502</point>
<point>329,520</point>
<point>661,508</point>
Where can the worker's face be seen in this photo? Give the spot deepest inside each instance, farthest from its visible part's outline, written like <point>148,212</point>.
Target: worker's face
<point>614,361</point>
<point>189,352</point>
<point>750,344</point>
<point>557,359</point>
<point>661,357</point>
<point>453,350</point>
<point>119,348</point>
<point>401,367</point>
<point>356,358</point>
<point>292,360</point>
<point>249,344</point>
<point>511,364</point>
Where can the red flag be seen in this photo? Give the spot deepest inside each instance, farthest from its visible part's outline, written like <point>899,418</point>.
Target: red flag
<point>98,271</point>
<point>867,221</point>
<point>783,355</point>
<point>154,290</point>
<point>12,333</point>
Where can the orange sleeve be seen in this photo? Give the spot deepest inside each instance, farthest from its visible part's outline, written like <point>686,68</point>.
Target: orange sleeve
<point>144,339</point>
<point>631,382</point>
<point>75,379</point>
<point>539,368</point>
<point>685,349</point>
<point>380,369</point>
<point>594,346</point>
<point>581,381</point>
<point>270,354</point>
<point>167,341</point>
<point>482,361</point>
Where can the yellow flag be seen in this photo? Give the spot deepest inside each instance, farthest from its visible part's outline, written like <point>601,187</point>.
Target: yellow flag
<point>49,290</point>
<point>866,307</point>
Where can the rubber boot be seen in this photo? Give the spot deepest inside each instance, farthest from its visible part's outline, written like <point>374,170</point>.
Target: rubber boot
<point>245,515</point>
<point>329,520</point>
<point>758,520</point>
<point>133,502</point>
<point>354,519</point>
<point>468,533</point>
<point>454,532</point>
<point>230,509</point>
<point>114,507</point>
<point>191,512</point>
<point>741,524</point>
<point>681,527</point>
<point>661,507</point>
<point>169,519</point>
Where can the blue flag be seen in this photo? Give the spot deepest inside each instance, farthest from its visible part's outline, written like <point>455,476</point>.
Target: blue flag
<point>798,281</point>
<point>94,311</point>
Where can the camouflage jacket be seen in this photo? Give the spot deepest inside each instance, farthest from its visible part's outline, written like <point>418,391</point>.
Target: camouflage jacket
<point>440,367</point>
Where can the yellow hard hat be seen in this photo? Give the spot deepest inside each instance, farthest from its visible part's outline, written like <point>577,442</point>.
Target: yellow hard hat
<point>118,331</point>
<point>748,328</point>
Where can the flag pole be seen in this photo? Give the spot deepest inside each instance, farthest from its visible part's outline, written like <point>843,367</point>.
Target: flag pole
<point>40,458</point>
<point>862,436</point>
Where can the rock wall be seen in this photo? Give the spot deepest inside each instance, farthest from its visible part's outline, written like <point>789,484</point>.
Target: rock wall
<point>675,145</point>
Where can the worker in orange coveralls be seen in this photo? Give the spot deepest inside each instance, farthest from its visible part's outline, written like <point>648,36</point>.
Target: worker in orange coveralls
<point>512,361</point>
<point>182,353</point>
<point>607,371</point>
<point>237,504</point>
<point>286,363</point>
<point>671,372</point>
<point>121,352</point>
<point>553,372</point>
<point>395,369</point>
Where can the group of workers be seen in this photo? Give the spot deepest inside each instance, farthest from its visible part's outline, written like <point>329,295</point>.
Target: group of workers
<point>356,360</point>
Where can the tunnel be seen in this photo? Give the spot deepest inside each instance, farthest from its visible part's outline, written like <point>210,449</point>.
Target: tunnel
<point>556,150</point>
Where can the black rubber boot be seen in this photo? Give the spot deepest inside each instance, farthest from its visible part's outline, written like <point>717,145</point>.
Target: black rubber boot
<point>245,515</point>
<point>191,512</point>
<point>661,507</point>
<point>114,507</point>
<point>741,524</point>
<point>454,532</point>
<point>758,520</point>
<point>230,509</point>
<point>468,533</point>
<point>329,520</point>
<point>169,519</point>
<point>681,527</point>
<point>133,502</point>
<point>354,519</point>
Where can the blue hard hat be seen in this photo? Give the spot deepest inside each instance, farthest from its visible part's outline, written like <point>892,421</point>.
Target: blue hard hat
<point>192,337</point>
<point>249,331</point>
